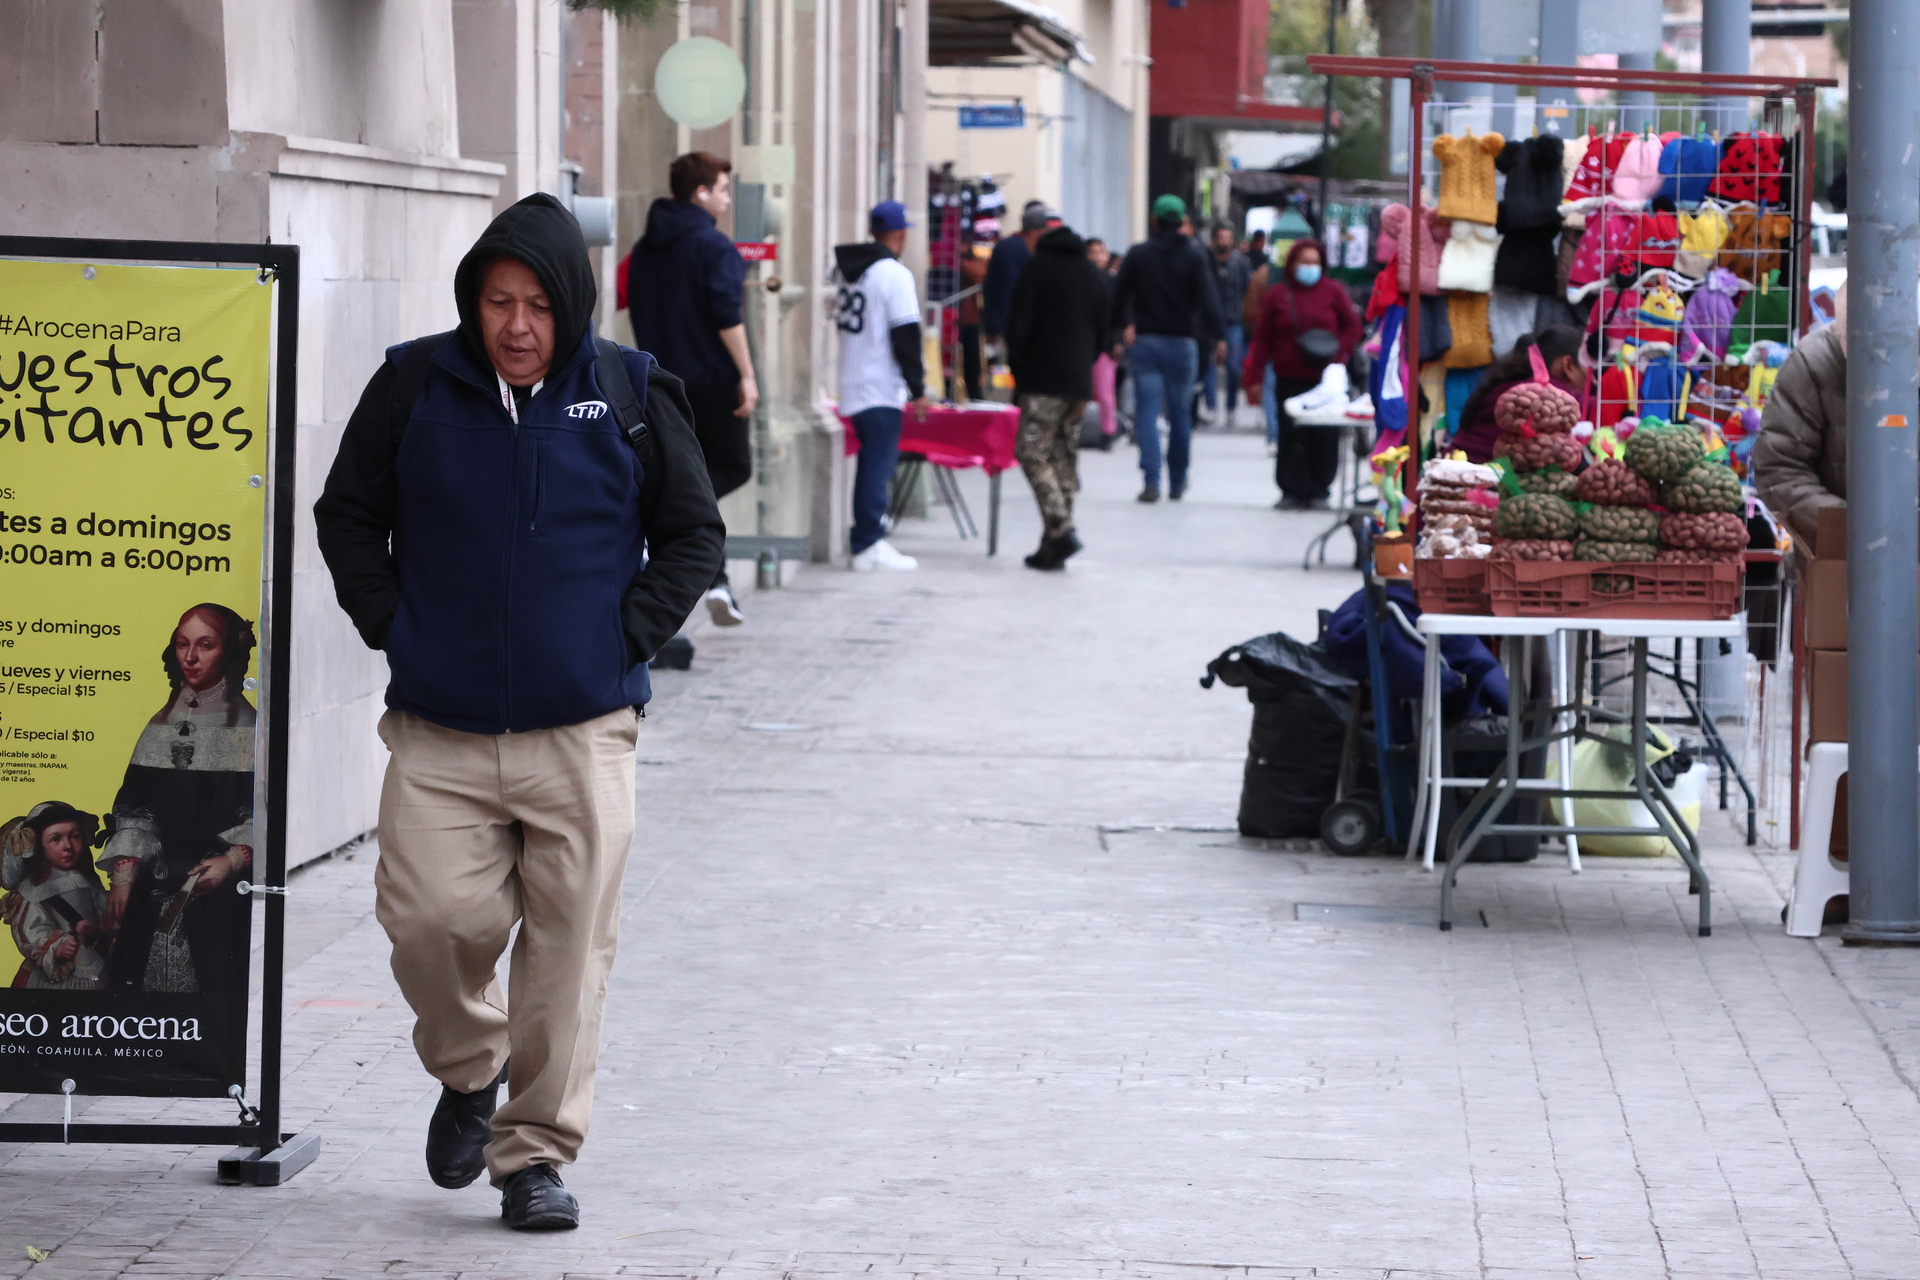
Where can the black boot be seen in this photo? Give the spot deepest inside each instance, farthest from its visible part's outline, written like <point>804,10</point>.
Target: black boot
<point>458,1134</point>
<point>535,1199</point>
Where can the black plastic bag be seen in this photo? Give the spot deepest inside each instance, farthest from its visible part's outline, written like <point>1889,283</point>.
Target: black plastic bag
<point>1300,710</point>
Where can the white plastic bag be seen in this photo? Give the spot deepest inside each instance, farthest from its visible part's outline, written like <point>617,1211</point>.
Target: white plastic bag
<point>1600,767</point>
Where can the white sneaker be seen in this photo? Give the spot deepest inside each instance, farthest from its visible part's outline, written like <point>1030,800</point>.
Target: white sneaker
<point>881,555</point>
<point>1360,407</point>
<point>723,609</point>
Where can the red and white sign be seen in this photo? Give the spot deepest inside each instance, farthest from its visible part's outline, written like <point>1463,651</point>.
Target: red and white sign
<point>758,250</point>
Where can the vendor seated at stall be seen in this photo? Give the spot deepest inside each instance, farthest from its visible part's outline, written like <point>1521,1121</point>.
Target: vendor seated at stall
<point>1559,346</point>
<point>1800,459</point>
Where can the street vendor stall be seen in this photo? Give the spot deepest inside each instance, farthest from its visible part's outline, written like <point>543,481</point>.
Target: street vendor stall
<point>1606,494</point>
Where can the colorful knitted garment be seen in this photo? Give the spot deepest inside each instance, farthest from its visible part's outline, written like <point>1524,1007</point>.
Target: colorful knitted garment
<point>1472,331</point>
<point>1467,176</point>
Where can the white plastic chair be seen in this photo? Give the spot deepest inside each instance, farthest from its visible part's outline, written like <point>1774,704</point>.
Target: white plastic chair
<point>1817,878</point>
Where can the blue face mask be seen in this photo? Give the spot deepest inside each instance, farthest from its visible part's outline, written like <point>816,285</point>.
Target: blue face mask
<point>1307,274</point>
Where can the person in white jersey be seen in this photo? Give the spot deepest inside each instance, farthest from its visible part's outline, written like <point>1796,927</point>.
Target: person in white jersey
<point>878,315</point>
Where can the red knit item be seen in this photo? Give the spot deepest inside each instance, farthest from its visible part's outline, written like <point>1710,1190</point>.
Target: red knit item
<point>1750,168</point>
<point>1594,177</point>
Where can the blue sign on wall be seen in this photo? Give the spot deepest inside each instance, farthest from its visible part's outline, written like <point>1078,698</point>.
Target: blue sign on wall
<point>996,116</point>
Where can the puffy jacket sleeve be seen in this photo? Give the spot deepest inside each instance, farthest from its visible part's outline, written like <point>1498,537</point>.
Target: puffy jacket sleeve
<point>354,516</point>
<point>1793,435</point>
<point>686,539</point>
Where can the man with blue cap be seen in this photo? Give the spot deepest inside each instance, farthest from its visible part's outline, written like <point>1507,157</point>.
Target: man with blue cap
<point>877,312</point>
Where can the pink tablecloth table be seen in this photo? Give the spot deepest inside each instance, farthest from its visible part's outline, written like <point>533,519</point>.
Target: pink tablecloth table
<point>981,430</point>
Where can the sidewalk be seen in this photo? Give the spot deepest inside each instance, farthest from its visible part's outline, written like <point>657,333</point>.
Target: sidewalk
<point>940,958</point>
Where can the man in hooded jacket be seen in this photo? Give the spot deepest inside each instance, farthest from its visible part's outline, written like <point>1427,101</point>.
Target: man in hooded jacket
<point>684,290</point>
<point>1056,328</point>
<point>1165,303</point>
<point>489,523</point>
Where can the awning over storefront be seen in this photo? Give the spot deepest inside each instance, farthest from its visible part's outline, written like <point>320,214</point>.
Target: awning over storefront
<point>977,33</point>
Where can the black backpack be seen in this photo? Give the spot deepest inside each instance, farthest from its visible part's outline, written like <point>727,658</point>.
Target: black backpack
<point>610,371</point>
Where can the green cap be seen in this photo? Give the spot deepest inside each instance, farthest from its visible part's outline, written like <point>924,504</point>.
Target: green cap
<point>1169,206</point>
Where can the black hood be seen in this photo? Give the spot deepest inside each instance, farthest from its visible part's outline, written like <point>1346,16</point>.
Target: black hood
<point>1061,240</point>
<point>1170,241</point>
<point>669,220</point>
<point>541,233</point>
<point>854,259</point>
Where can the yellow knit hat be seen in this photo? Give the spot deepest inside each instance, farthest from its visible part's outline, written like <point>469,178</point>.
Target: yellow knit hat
<point>1466,176</point>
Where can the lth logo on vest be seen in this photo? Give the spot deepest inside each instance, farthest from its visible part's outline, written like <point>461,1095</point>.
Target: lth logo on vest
<point>587,409</point>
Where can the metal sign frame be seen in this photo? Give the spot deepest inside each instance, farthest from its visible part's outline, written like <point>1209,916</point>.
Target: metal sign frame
<point>264,1155</point>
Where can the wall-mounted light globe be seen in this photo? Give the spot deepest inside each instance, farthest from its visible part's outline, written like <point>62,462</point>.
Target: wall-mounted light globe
<point>699,82</point>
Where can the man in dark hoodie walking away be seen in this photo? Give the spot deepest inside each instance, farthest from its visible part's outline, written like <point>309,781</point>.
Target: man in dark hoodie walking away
<point>1056,328</point>
<point>684,287</point>
<point>519,515</point>
<point>1010,257</point>
<point>877,312</point>
<point>1163,301</point>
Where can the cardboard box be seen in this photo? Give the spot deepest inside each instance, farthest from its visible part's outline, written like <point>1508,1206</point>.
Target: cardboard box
<point>1827,696</point>
<point>1822,598</point>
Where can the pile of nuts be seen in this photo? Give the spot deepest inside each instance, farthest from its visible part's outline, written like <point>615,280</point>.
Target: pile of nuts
<point>1534,549</point>
<point>1612,483</point>
<point>1457,504</point>
<point>1721,531</point>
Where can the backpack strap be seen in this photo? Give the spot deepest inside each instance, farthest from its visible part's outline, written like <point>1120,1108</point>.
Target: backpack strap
<point>629,406</point>
<point>410,380</point>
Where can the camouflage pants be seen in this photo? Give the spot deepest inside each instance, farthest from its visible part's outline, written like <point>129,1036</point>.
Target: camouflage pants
<point>1048,450</point>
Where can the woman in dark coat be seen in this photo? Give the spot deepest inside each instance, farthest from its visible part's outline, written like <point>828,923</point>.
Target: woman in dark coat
<point>1301,299</point>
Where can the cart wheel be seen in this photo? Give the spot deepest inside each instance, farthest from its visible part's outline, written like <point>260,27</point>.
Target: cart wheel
<point>1351,826</point>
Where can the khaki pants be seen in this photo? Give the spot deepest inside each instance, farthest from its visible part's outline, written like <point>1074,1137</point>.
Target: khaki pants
<point>479,832</point>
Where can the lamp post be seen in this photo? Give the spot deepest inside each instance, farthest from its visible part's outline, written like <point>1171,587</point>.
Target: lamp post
<point>1883,477</point>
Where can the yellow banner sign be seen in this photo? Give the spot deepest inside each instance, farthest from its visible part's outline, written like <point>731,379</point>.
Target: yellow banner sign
<point>133,479</point>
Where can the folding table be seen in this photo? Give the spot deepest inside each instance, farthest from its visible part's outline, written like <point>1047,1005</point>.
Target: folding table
<point>980,432</point>
<point>1568,715</point>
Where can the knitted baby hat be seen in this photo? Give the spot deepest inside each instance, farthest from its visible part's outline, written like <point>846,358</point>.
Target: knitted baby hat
<point>1467,176</point>
<point>1639,177</point>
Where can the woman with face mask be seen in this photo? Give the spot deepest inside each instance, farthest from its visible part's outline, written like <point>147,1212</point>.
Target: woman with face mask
<point>1307,322</point>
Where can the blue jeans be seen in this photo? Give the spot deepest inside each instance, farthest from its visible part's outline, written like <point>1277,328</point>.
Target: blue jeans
<point>879,433</point>
<point>1163,371</point>
<point>1236,354</point>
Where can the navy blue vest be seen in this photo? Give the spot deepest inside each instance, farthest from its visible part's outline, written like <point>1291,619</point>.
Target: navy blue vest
<point>514,545</point>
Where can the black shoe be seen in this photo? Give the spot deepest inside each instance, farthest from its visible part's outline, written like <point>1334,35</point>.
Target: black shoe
<point>1176,490</point>
<point>1054,550</point>
<point>1042,559</point>
<point>1290,503</point>
<point>535,1199</point>
<point>458,1134</point>
<point>1150,494</point>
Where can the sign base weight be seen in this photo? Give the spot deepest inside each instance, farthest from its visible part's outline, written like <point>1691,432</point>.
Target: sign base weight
<point>251,1167</point>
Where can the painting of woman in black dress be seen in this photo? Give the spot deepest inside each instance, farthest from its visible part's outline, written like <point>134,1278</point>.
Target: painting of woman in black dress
<point>182,826</point>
